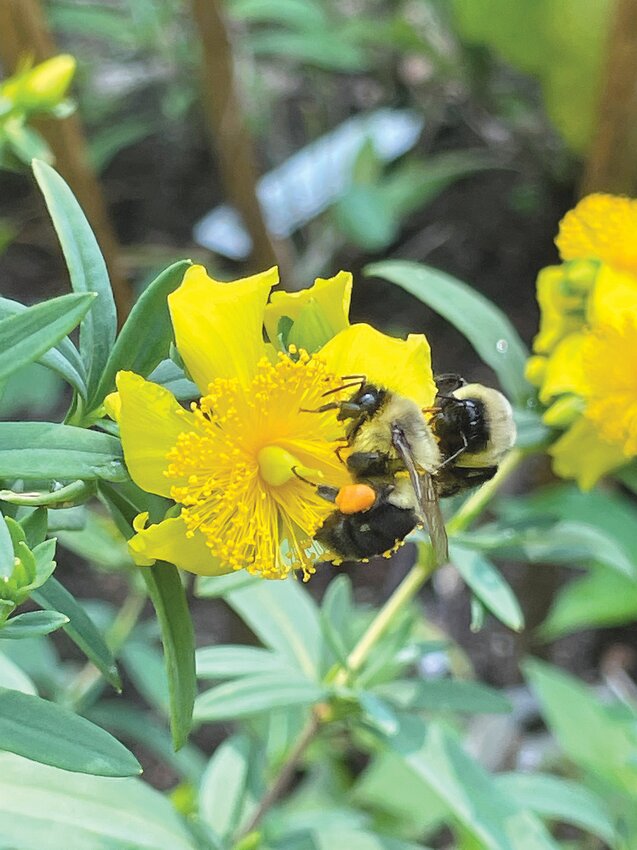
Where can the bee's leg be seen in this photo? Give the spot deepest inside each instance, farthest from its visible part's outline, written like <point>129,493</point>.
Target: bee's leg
<point>333,405</point>
<point>369,464</point>
<point>339,449</point>
<point>462,449</point>
<point>326,492</point>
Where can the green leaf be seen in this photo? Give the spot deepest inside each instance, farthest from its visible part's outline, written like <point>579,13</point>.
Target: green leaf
<point>32,624</point>
<point>145,339</point>
<point>252,695</point>
<point>284,617</point>
<point>444,695</point>
<point>488,585</point>
<point>585,729</point>
<point>486,812</point>
<point>7,554</point>
<point>485,326</point>
<point>46,450</point>
<point>47,733</point>
<point>87,271</point>
<point>560,800</point>
<point>346,836</point>
<point>216,587</point>
<point>26,336</point>
<point>601,598</point>
<point>13,677</point>
<point>80,628</point>
<point>223,786</point>
<point>306,15</point>
<point>336,617</point>
<point>63,358</point>
<point>169,600</point>
<point>316,49</point>
<point>228,662</point>
<point>77,492</point>
<point>145,666</point>
<point>49,809</point>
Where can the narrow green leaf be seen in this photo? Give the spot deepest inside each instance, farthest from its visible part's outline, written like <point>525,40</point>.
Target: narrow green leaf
<point>47,733</point>
<point>169,599</point>
<point>54,597</point>
<point>336,617</point>
<point>77,492</point>
<point>145,339</point>
<point>7,554</point>
<point>284,616</point>
<point>13,677</point>
<point>87,271</point>
<point>488,585</point>
<point>223,785</point>
<point>486,812</point>
<point>560,800</point>
<point>229,662</point>
<point>485,326</point>
<point>63,358</point>
<point>252,695</point>
<point>49,809</point>
<point>216,587</point>
<point>26,336</point>
<point>145,666</point>
<point>46,450</point>
<point>444,695</point>
<point>32,624</point>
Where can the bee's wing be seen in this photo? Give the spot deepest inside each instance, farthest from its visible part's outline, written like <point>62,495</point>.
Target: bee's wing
<point>426,496</point>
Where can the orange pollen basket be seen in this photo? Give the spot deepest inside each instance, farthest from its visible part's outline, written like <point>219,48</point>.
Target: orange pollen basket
<point>354,498</point>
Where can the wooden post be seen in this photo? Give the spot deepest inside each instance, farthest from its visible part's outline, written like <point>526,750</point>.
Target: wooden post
<point>612,162</point>
<point>24,32</point>
<point>229,132</point>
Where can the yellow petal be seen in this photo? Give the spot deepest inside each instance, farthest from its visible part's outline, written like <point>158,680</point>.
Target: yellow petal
<point>562,310</point>
<point>602,227</point>
<point>113,406</point>
<point>167,541</point>
<point>150,421</point>
<point>330,297</point>
<point>564,372</point>
<point>581,454</point>
<point>218,326</point>
<point>614,292</point>
<point>403,366</point>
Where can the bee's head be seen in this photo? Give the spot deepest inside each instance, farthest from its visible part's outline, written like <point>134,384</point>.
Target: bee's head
<point>368,398</point>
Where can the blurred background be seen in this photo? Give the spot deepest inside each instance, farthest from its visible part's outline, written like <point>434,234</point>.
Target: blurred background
<point>451,132</point>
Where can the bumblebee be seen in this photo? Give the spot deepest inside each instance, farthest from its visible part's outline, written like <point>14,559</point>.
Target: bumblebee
<point>392,453</point>
<point>474,429</point>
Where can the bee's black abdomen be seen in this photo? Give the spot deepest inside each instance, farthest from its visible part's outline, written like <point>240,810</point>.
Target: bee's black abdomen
<point>368,533</point>
<point>450,480</point>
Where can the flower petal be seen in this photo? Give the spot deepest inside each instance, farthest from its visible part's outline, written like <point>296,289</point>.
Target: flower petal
<point>218,326</point>
<point>581,454</point>
<point>614,292</point>
<point>564,372</point>
<point>403,366</point>
<point>150,421</point>
<point>167,541</point>
<point>328,297</point>
<point>603,227</point>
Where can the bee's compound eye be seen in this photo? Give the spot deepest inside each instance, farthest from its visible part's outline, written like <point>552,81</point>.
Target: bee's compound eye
<point>368,399</point>
<point>354,498</point>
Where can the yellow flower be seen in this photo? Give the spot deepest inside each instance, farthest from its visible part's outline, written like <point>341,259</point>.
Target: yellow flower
<point>601,227</point>
<point>581,454</point>
<point>229,462</point>
<point>43,86</point>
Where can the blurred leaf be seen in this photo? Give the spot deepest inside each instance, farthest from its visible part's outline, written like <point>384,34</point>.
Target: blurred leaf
<point>169,600</point>
<point>560,800</point>
<point>444,695</point>
<point>131,723</point>
<point>47,733</point>
<point>13,677</point>
<point>378,712</point>
<point>87,271</point>
<point>63,358</point>
<point>229,662</point>
<point>98,541</point>
<point>145,338</point>
<point>46,450</point>
<point>601,598</point>
<point>308,15</point>
<point>42,808</point>
<point>216,587</point>
<point>146,668</point>
<point>27,335</point>
<point>324,50</point>
<point>487,813</point>
<point>252,695</point>
<point>486,327</point>
<point>80,628</point>
<point>284,617</point>
<point>222,790</point>
<point>346,836</point>
<point>32,624</point>
<point>488,585</point>
<point>99,22</point>
<point>7,555</point>
<point>584,728</point>
<point>25,142</point>
<point>336,617</point>
<point>366,218</point>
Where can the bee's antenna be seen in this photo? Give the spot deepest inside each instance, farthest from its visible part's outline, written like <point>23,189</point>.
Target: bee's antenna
<point>357,383</point>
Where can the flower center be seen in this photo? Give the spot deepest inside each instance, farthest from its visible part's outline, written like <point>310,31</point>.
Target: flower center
<point>234,474</point>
